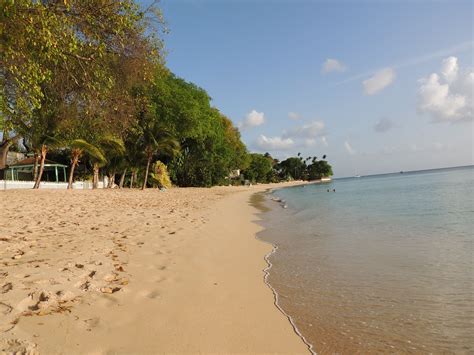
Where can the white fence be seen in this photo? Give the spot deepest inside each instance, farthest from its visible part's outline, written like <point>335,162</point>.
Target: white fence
<point>9,184</point>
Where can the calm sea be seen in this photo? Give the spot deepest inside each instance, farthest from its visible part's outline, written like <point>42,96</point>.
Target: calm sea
<point>384,264</point>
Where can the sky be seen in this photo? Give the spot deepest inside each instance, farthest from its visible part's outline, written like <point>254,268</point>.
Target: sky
<point>377,86</point>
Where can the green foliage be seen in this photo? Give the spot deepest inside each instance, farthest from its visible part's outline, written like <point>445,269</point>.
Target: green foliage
<point>293,167</point>
<point>160,176</point>
<point>110,147</point>
<point>64,63</point>
<point>319,169</point>
<point>260,168</point>
<point>210,145</point>
<point>87,148</point>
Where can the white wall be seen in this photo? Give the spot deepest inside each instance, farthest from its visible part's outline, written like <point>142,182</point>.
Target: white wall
<point>8,184</point>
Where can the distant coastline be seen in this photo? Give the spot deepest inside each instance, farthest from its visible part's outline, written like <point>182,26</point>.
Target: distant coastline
<point>406,172</point>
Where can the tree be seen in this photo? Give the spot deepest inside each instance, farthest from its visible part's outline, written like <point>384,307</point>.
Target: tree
<point>156,141</point>
<point>292,167</point>
<point>259,169</point>
<point>77,48</point>
<point>134,155</point>
<point>210,145</point>
<point>79,147</point>
<point>110,147</point>
<point>319,169</point>
<point>45,143</point>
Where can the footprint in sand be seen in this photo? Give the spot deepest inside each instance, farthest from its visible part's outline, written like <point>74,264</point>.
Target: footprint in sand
<point>7,287</point>
<point>92,322</point>
<point>17,346</point>
<point>5,308</point>
<point>152,295</point>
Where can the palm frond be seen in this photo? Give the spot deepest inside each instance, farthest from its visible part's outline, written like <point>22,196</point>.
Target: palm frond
<point>112,145</point>
<point>51,141</point>
<point>89,149</point>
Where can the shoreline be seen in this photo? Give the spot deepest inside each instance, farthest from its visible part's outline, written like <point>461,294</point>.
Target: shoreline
<point>184,286</point>
<point>263,205</point>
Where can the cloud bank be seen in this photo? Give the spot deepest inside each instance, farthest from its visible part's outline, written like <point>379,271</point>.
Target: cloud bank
<point>307,131</point>
<point>448,96</point>
<point>274,143</point>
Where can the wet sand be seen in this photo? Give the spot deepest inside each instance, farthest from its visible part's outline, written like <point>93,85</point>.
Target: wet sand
<point>136,272</point>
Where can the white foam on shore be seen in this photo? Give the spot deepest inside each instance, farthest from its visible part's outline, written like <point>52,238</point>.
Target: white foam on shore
<point>276,298</point>
<point>266,272</point>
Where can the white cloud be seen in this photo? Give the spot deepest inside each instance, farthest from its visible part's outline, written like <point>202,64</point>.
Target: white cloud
<point>383,125</point>
<point>311,142</point>
<point>308,131</point>
<point>448,96</point>
<point>294,116</point>
<point>253,119</point>
<point>274,143</point>
<point>450,69</point>
<point>460,47</point>
<point>379,81</point>
<point>349,149</point>
<point>333,65</point>
<point>324,141</point>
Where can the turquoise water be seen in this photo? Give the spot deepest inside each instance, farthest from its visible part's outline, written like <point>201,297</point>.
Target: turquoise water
<point>384,264</point>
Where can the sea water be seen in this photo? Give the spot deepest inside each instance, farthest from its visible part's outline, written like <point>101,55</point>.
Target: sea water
<point>383,264</point>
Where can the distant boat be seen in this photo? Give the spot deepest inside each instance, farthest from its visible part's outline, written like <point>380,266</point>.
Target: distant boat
<point>401,172</point>
<point>357,176</point>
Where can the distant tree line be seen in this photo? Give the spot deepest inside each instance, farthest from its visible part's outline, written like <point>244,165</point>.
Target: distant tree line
<point>265,169</point>
<point>85,83</point>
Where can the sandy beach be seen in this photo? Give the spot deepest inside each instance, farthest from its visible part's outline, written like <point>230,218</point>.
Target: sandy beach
<point>133,272</point>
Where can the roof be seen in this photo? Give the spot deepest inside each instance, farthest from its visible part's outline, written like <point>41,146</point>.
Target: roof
<point>31,161</point>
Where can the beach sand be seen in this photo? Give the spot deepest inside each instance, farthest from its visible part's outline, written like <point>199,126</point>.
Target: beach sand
<point>136,272</point>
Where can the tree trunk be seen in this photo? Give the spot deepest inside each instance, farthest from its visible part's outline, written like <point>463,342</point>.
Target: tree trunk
<point>35,166</point>
<point>4,147</point>
<point>146,173</point>
<point>122,178</point>
<point>131,179</point>
<point>74,161</point>
<point>134,178</point>
<point>95,179</point>
<point>44,151</point>
<point>111,180</point>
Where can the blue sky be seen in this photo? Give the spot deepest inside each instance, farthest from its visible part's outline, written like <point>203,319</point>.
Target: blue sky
<point>378,86</point>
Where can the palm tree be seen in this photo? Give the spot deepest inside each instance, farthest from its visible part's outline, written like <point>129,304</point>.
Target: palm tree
<point>133,156</point>
<point>79,147</point>
<point>156,140</point>
<point>110,147</point>
<point>45,143</point>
